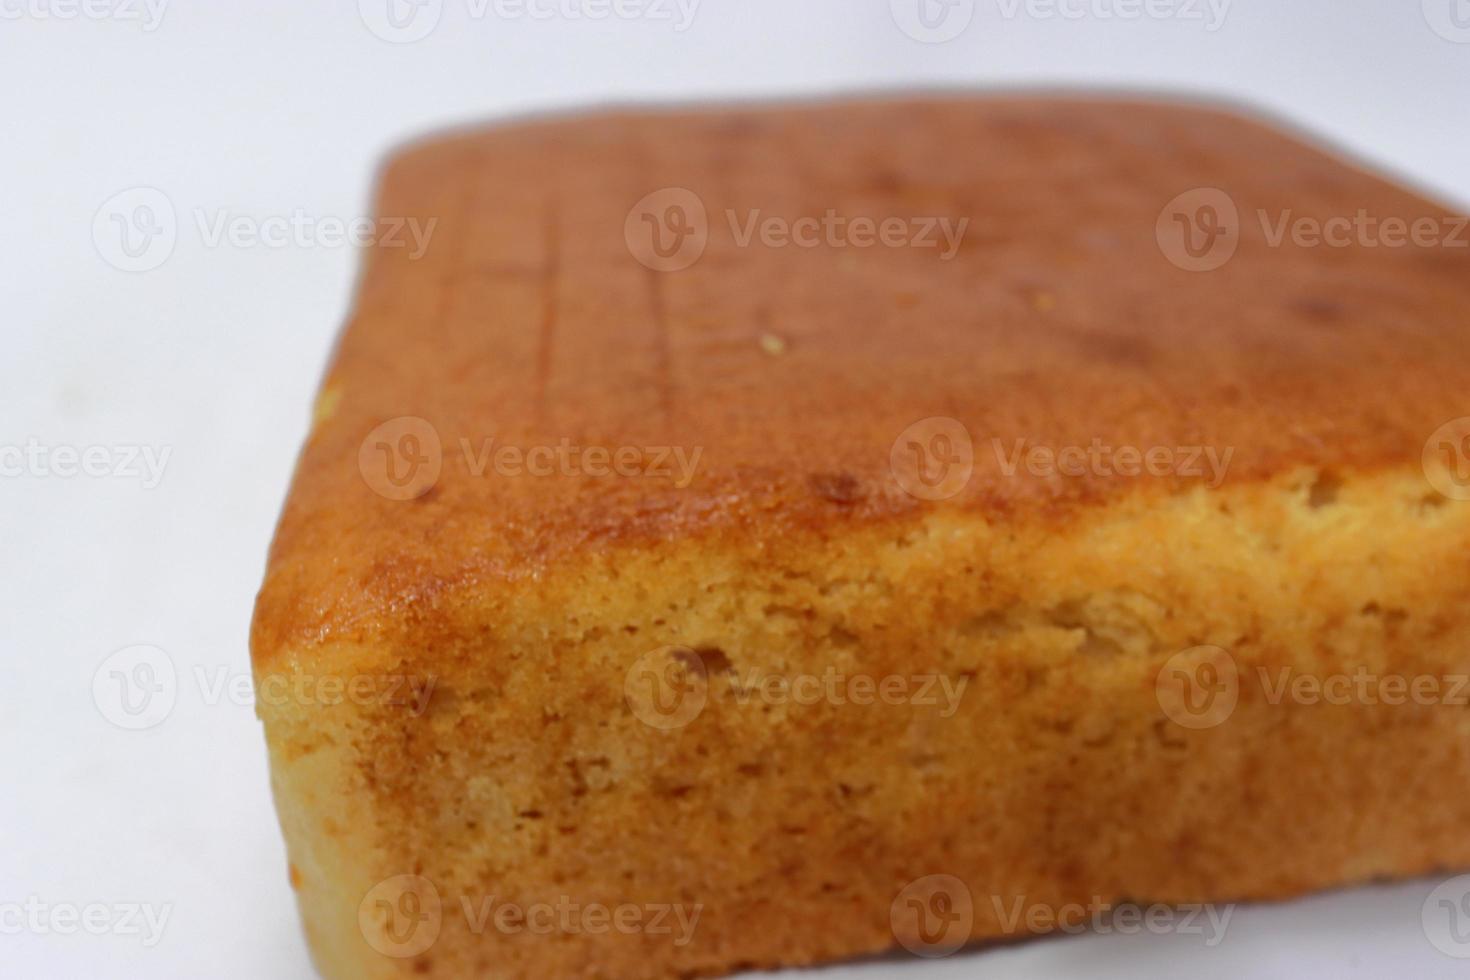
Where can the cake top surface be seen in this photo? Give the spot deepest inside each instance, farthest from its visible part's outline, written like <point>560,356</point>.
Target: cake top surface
<point>583,334</point>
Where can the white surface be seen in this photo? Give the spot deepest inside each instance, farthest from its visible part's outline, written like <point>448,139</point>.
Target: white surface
<point>267,107</point>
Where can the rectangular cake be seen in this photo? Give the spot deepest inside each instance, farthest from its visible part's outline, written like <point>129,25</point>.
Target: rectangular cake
<point>764,536</point>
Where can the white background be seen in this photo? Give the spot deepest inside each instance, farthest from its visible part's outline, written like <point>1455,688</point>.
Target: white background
<point>274,106</point>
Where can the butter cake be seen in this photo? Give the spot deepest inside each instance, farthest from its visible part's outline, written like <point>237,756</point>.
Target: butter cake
<point>759,536</point>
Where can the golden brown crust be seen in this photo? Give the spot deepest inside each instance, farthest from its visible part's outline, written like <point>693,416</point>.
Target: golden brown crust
<point>1058,775</point>
<point>797,544</point>
<point>793,370</point>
